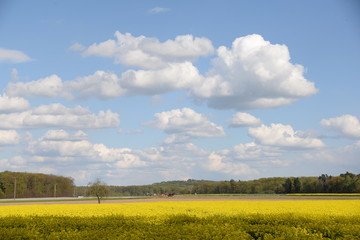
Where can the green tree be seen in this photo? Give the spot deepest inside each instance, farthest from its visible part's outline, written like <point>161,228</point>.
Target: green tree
<point>323,183</point>
<point>98,188</point>
<point>297,185</point>
<point>288,185</point>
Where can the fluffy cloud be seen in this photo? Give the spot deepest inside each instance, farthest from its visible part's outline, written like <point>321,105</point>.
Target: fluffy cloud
<point>338,159</point>
<point>13,56</point>
<point>61,146</point>
<point>101,84</point>
<point>57,115</point>
<point>169,162</point>
<point>218,163</point>
<point>59,149</point>
<point>246,160</point>
<point>149,53</point>
<point>64,150</point>
<point>9,137</point>
<point>283,136</point>
<point>184,124</point>
<point>241,119</point>
<point>15,163</point>
<point>48,87</point>
<point>347,125</point>
<point>60,134</point>
<point>175,76</point>
<point>120,157</point>
<point>12,104</point>
<point>253,151</point>
<point>253,74</point>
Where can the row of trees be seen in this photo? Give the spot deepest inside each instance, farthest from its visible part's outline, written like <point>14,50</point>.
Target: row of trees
<point>31,185</point>
<point>345,183</point>
<point>27,185</point>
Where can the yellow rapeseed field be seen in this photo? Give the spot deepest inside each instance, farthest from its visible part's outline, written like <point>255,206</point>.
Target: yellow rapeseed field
<point>195,208</point>
<point>303,219</point>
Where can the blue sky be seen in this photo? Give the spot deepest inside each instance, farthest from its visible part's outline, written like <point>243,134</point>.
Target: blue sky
<point>136,92</point>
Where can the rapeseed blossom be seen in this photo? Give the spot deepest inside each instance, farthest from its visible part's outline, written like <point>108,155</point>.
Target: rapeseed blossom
<point>194,208</point>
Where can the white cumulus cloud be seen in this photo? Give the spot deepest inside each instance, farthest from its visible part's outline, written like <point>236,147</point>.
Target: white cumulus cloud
<point>9,137</point>
<point>253,73</point>
<point>347,125</point>
<point>101,84</point>
<point>61,146</point>
<point>58,115</point>
<point>16,162</point>
<point>218,163</point>
<point>150,53</point>
<point>60,134</point>
<point>253,151</point>
<point>283,136</point>
<point>185,123</point>
<point>48,87</point>
<point>12,104</point>
<point>241,119</point>
<point>175,76</point>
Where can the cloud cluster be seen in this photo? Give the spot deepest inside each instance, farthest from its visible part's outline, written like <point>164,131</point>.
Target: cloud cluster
<point>104,84</point>
<point>58,115</point>
<point>60,135</point>
<point>253,151</point>
<point>184,124</point>
<point>9,137</point>
<point>60,145</point>
<point>15,163</point>
<point>101,84</point>
<point>48,87</point>
<point>345,157</point>
<point>283,136</point>
<point>170,161</point>
<point>346,125</point>
<point>218,163</point>
<point>150,53</point>
<point>57,147</point>
<point>253,73</point>
<point>12,104</point>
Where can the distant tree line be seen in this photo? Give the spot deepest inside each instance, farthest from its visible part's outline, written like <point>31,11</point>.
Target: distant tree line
<point>31,185</point>
<point>345,183</point>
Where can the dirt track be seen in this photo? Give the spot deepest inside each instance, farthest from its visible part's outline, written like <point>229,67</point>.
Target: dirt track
<point>188,198</point>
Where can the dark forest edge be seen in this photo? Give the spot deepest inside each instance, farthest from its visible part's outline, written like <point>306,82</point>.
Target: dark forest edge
<point>36,185</point>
